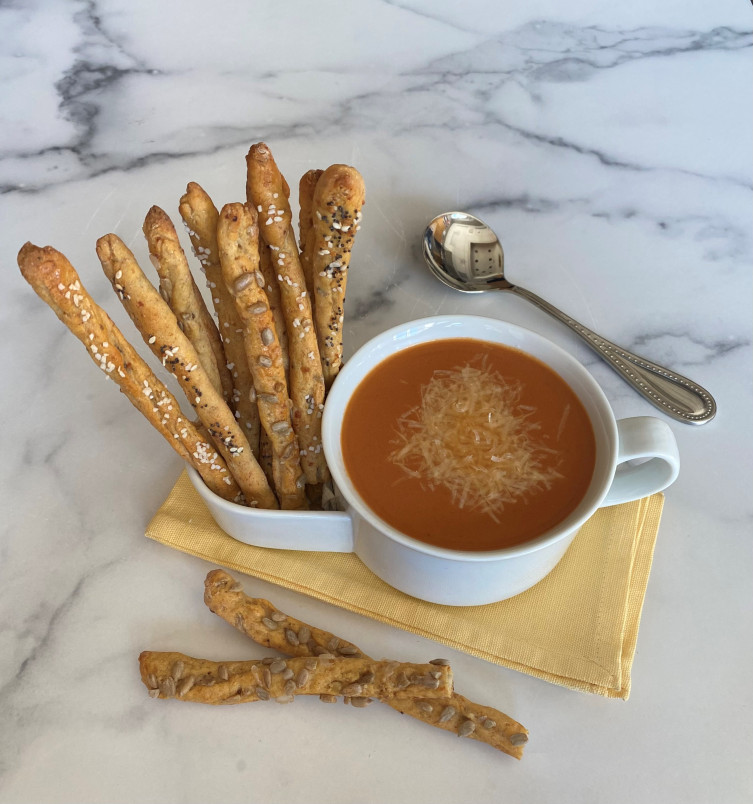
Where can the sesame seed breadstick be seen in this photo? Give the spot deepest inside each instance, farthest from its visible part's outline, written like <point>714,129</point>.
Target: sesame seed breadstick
<point>56,282</point>
<point>336,215</point>
<point>200,217</point>
<point>265,189</point>
<point>238,245</point>
<point>305,200</point>
<point>159,329</point>
<point>263,623</point>
<point>178,289</point>
<point>175,675</point>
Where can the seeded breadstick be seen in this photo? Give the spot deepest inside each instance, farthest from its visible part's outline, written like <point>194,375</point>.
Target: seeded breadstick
<point>174,675</point>
<point>238,244</point>
<point>259,620</point>
<point>159,329</point>
<point>305,200</point>
<point>336,215</point>
<point>178,289</point>
<point>56,282</point>
<point>265,190</point>
<point>200,217</point>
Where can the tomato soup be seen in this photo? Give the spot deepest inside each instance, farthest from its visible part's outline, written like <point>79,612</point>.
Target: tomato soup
<point>467,444</point>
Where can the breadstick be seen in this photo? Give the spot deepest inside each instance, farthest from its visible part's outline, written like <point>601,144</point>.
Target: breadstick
<point>262,622</point>
<point>200,217</point>
<point>238,245</point>
<point>337,203</point>
<point>178,289</point>
<point>56,282</point>
<point>265,190</point>
<point>175,675</point>
<point>305,200</point>
<point>159,329</point>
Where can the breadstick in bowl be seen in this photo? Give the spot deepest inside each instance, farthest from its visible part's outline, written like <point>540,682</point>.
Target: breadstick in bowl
<point>338,199</point>
<point>159,329</point>
<point>238,243</point>
<point>56,282</point>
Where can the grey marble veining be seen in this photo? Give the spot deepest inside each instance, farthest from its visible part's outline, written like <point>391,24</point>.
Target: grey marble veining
<point>607,145</point>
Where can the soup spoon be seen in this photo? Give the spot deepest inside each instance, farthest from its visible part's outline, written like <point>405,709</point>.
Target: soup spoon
<point>465,254</point>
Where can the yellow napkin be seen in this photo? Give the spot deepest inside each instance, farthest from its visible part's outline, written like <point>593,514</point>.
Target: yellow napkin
<point>578,627</point>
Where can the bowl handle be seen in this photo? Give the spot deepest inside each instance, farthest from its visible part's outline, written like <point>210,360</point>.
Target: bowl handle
<point>651,444</point>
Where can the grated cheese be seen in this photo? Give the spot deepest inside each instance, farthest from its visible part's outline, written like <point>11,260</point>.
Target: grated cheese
<point>471,435</point>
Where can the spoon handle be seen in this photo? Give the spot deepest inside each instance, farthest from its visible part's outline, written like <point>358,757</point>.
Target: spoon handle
<point>677,396</point>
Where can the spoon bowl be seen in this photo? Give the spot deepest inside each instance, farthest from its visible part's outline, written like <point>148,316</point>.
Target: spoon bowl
<point>465,254</point>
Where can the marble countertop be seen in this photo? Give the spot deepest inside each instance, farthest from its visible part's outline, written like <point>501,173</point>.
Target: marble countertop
<point>608,145</point>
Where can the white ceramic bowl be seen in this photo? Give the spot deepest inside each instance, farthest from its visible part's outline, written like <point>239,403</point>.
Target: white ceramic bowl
<point>436,574</point>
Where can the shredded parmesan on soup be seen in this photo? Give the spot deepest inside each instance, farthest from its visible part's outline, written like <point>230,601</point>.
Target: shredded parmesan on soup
<point>471,435</point>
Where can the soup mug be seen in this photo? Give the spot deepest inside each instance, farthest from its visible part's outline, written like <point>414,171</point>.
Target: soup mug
<point>634,458</point>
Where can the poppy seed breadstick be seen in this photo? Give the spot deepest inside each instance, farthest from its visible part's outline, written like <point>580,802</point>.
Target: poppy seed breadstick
<point>56,282</point>
<point>263,623</point>
<point>178,288</point>
<point>159,329</point>
<point>238,245</point>
<point>200,217</point>
<point>265,189</point>
<point>175,675</point>
<point>336,214</point>
<point>305,200</point>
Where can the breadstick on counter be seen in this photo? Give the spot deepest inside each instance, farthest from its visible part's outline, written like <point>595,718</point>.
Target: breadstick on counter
<point>178,288</point>
<point>56,282</point>
<point>305,200</point>
<point>200,217</point>
<point>159,329</point>
<point>175,675</point>
<point>336,214</point>
<point>263,623</point>
<point>265,190</point>
<point>238,245</point>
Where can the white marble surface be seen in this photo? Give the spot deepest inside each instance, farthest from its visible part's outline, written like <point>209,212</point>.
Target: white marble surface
<point>608,144</point>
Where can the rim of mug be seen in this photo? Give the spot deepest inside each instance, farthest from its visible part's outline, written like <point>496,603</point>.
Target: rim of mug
<point>410,332</point>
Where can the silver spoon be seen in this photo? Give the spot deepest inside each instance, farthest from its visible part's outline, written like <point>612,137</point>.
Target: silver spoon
<point>465,254</point>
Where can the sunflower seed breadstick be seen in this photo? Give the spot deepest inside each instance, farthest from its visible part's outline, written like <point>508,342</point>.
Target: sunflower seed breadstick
<point>178,289</point>
<point>336,215</point>
<point>265,190</point>
<point>305,200</point>
<point>174,675</point>
<point>56,282</point>
<point>259,620</point>
<point>200,217</point>
<point>238,245</point>
<point>159,329</point>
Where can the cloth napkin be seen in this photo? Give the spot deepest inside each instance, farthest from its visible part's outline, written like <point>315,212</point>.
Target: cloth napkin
<point>577,627</point>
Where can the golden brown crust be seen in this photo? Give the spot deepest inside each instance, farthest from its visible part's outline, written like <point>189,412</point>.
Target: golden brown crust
<point>225,597</point>
<point>159,329</point>
<point>178,289</point>
<point>200,217</point>
<point>305,201</point>
<point>175,675</point>
<point>336,214</point>
<point>265,189</point>
<point>238,244</point>
<point>56,282</point>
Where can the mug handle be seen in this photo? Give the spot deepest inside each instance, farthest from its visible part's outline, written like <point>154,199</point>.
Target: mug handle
<point>651,441</point>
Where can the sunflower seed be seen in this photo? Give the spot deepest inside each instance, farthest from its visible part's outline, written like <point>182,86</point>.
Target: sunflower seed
<point>283,699</point>
<point>223,673</point>
<point>302,678</point>
<point>327,656</point>
<point>466,727</point>
<point>151,681</point>
<point>352,689</point>
<point>266,677</point>
<point>518,739</point>
<point>271,624</point>
<point>279,617</point>
<point>488,723</point>
<point>277,666</point>
<point>270,399</point>
<point>268,660</point>
<point>401,681</point>
<point>239,622</point>
<point>367,678</point>
<point>258,309</point>
<point>243,281</point>
<point>259,278</point>
<point>349,650</point>
<point>318,650</point>
<point>440,662</point>
<point>287,673</point>
<point>311,664</point>
<point>448,713</point>
<point>281,427</point>
<point>154,693</point>
<point>325,698</point>
<point>177,670</point>
<point>427,681</point>
<point>265,361</point>
<point>304,634</point>
<point>261,694</point>
<point>332,644</point>
<point>292,637</point>
<point>425,707</point>
<point>267,336</point>
<point>289,687</point>
<point>185,685</point>
<point>233,699</point>
<point>167,687</point>
<point>435,673</point>
<point>359,702</point>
